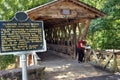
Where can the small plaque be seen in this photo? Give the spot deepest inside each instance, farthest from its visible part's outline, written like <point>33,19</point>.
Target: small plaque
<point>66,11</point>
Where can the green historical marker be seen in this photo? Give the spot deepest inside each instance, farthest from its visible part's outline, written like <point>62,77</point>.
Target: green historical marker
<point>21,35</point>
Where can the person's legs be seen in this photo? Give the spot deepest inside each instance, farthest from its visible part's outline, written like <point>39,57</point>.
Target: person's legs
<point>82,55</point>
<point>79,55</point>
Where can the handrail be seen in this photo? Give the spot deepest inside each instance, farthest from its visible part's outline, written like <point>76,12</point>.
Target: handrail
<point>104,59</point>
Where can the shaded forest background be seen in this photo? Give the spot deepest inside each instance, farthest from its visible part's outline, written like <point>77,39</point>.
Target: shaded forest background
<point>104,33</point>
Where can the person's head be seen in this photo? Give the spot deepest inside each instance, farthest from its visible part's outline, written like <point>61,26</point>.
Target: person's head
<point>83,38</point>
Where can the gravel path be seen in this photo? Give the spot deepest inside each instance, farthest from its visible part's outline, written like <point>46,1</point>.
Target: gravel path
<point>64,68</point>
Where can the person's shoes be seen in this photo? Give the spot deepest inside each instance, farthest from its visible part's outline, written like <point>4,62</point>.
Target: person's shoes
<point>79,62</point>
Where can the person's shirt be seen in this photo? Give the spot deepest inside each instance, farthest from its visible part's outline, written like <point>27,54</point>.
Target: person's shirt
<point>81,44</point>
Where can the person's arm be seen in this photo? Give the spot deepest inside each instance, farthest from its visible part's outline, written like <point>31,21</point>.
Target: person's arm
<point>82,45</point>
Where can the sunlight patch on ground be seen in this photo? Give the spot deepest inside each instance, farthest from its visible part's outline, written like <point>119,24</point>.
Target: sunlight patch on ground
<point>56,68</point>
<point>69,75</point>
<point>61,76</point>
<point>64,75</point>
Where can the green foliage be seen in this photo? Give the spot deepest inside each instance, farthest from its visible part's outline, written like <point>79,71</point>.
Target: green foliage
<point>109,27</point>
<point>6,60</point>
<point>10,7</point>
<point>95,3</point>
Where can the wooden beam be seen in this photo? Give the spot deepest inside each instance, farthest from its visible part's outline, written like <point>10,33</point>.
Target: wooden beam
<point>74,38</point>
<point>87,24</point>
<point>62,22</point>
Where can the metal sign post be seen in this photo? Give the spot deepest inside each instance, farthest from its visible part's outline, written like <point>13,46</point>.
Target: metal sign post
<point>21,36</point>
<point>24,67</point>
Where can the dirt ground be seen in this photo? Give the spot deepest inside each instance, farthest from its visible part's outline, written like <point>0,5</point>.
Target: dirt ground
<point>60,67</point>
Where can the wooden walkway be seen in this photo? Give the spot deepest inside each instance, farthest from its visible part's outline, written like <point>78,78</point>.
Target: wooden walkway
<point>64,68</point>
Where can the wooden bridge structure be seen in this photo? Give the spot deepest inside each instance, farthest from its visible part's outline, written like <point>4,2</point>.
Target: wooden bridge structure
<point>66,22</point>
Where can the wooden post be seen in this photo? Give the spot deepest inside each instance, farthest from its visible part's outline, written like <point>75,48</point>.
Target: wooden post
<point>87,23</point>
<point>74,40</point>
<point>17,63</point>
<point>115,67</point>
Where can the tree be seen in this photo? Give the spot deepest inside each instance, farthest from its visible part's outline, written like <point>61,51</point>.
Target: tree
<point>107,28</point>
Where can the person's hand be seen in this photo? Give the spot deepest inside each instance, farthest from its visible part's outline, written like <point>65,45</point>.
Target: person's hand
<point>88,47</point>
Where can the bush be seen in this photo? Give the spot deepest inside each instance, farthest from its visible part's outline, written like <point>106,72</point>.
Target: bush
<point>6,60</point>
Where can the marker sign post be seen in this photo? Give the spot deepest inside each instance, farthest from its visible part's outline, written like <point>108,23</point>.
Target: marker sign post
<point>21,36</point>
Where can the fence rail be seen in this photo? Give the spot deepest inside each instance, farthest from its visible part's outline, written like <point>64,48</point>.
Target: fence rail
<point>105,59</point>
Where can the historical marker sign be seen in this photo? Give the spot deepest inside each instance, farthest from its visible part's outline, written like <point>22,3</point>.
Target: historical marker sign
<point>21,34</point>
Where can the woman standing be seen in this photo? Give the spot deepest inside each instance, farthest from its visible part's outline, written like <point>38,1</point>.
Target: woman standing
<point>80,49</point>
